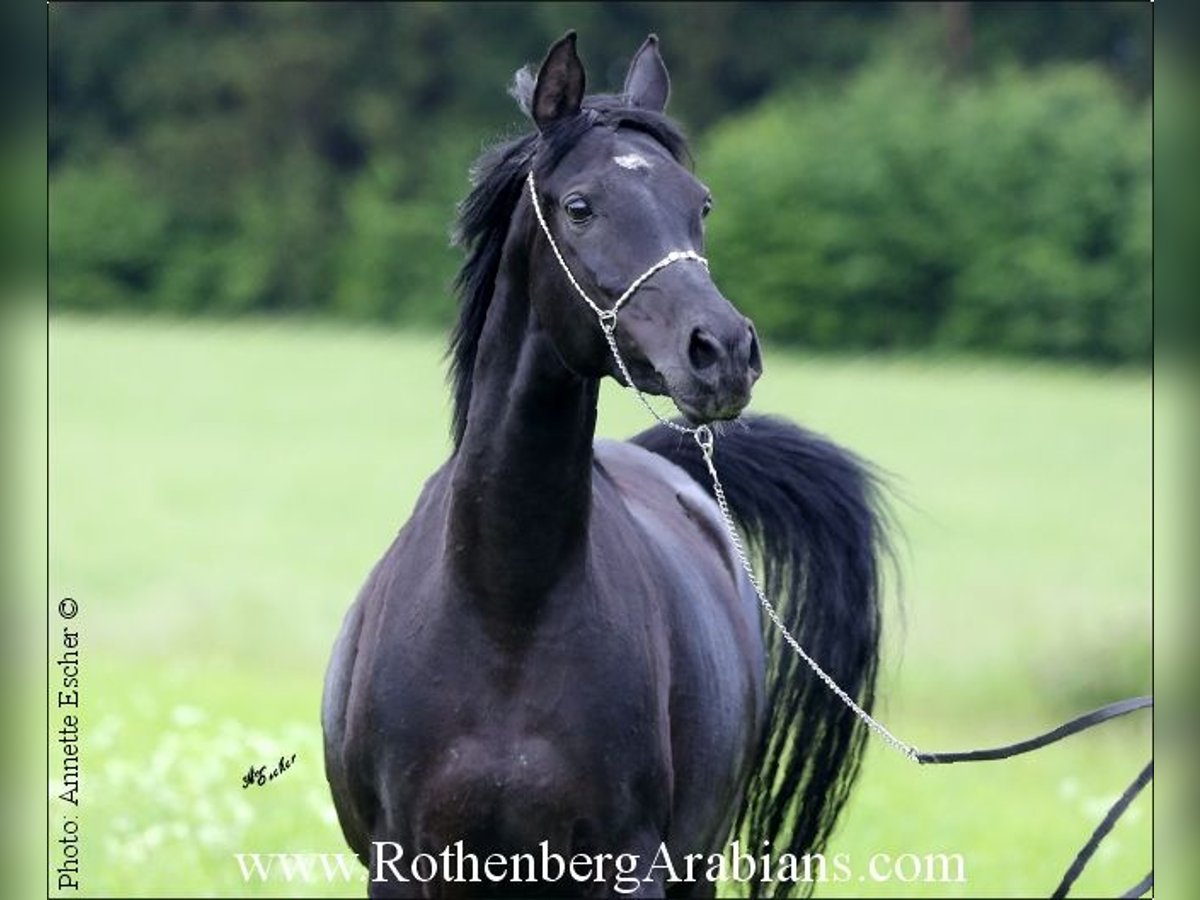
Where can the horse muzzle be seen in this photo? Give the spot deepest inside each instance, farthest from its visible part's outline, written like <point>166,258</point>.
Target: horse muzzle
<point>721,363</point>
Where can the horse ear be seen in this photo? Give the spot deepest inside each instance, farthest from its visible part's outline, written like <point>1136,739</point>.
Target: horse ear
<point>560,82</point>
<point>648,85</point>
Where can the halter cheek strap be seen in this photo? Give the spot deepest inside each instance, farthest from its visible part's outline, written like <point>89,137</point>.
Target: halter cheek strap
<point>607,317</point>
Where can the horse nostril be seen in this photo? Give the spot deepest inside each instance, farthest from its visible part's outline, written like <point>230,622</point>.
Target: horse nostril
<point>703,350</point>
<point>755,354</point>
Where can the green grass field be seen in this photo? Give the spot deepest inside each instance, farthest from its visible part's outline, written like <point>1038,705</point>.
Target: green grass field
<point>219,491</point>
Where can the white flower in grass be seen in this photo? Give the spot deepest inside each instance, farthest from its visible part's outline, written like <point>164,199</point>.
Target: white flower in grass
<point>187,716</point>
<point>262,746</point>
<point>106,732</point>
<point>116,772</point>
<point>134,852</point>
<point>319,802</point>
<point>243,812</point>
<point>167,796</point>
<point>211,835</point>
<point>205,811</point>
<point>163,761</point>
<point>302,735</point>
<point>231,733</point>
<point>153,836</point>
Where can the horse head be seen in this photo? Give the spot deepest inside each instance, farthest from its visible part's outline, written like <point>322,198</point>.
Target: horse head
<point>622,228</point>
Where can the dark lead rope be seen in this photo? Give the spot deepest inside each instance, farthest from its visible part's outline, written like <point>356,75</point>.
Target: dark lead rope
<point>1102,831</point>
<point>1095,717</point>
<point>1139,889</point>
<point>1082,723</point>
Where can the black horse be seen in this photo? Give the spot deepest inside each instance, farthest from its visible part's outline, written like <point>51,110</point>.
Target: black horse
<point>560,654</point>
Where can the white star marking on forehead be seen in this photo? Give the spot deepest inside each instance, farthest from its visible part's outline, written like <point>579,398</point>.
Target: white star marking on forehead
<point>632,161</point>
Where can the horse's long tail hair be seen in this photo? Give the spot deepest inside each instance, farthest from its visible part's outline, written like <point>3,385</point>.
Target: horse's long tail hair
<point>814,522</point>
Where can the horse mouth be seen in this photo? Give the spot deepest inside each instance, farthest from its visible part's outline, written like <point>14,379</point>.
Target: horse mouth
<point>697,409</point>
<point>712,412</point>
<point>701,406</point>
<point>691,413</point>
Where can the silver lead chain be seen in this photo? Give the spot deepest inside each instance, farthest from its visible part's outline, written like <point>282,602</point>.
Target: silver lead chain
<point>703,436</point>
<point>706,448</point>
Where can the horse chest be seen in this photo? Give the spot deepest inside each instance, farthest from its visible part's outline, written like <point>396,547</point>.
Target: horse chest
<point>561,675</point>
<point>508,740</point>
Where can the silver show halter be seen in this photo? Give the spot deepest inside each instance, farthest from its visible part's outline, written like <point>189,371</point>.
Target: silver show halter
<point>703,436</point>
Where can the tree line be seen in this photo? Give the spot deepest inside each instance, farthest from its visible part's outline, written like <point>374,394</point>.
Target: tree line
<point>887,175</point>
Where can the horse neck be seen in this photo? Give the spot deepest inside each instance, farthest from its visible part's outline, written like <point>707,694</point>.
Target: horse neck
<point>521,487</point>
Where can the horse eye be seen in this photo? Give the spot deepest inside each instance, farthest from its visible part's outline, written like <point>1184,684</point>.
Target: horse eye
<point>707,208</point>
<point>578,209</point>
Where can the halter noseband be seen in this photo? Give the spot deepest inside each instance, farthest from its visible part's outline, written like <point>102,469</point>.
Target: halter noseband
<point>607,317</point>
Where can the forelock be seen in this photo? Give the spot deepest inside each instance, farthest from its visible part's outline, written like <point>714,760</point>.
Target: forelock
<point>521,89</point>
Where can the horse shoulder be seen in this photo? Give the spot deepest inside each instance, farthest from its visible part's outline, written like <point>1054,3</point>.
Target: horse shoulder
<point>717,662</point>
<point>658,492</point>
<point>715,615</point>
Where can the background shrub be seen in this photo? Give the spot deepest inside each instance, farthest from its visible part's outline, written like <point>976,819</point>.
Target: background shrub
<point>889,175</point>
<point>1009,213</point>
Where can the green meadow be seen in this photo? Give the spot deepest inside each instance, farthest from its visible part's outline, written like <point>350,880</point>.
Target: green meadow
<point>218,491</point>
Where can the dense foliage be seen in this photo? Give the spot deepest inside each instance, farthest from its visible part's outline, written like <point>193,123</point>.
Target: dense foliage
<point>1011,213</point>
<point>234,157</point>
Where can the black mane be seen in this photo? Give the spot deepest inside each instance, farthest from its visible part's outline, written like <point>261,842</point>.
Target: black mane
<point>497,178</point>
